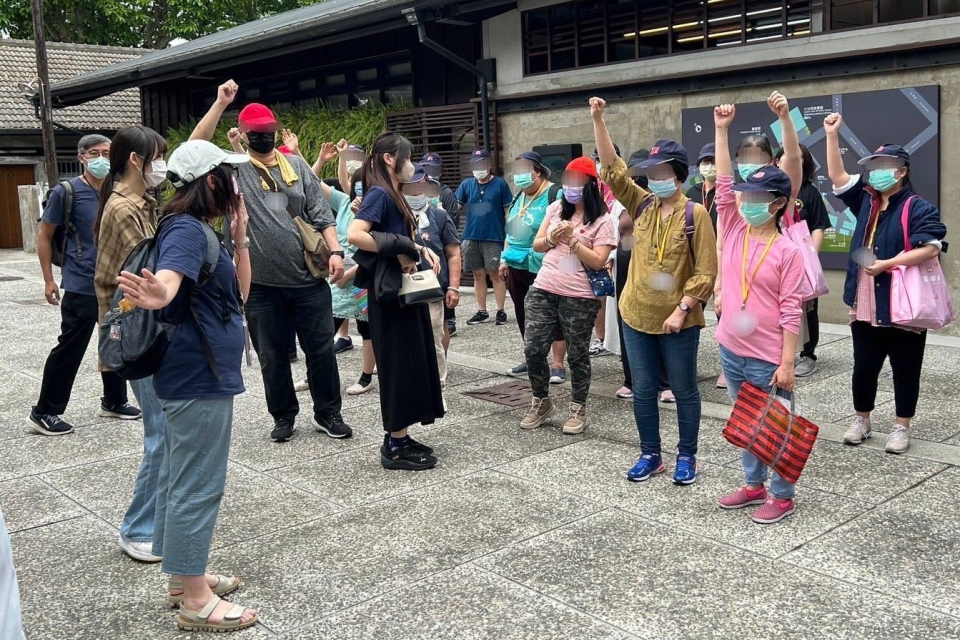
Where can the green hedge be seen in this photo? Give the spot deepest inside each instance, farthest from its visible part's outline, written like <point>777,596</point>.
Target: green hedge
<point>313,126</point>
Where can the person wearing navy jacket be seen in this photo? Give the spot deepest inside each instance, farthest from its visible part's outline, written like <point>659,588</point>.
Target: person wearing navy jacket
<point>878,199</point>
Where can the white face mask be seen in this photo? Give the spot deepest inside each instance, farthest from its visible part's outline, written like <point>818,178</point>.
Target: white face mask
<point>407,172</point>
<point>481,174</point>
<point>353,166</point>
<point>157,175</point>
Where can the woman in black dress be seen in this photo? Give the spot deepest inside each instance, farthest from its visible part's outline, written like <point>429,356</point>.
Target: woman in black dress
<point>402,338</point>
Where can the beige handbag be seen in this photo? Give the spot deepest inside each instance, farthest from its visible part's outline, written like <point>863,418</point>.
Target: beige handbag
<point>419,287</point>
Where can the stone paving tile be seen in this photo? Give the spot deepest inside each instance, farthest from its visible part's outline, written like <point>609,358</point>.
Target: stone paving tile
<point>829,399</point>
<point>658,582</point>
<point>30,502</point>
<point>463,604</point>
<point>344,559</point>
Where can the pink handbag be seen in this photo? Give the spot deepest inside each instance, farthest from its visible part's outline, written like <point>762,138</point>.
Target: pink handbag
<point>797,231</point>
<point>918,295</point>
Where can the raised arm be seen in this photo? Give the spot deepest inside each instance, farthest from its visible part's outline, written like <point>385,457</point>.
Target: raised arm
<point>342,175</point>
<point>608,153</point>
<point>226,93</point>
<point>723,116</point>
<point>792,162</point>
<point>837,172</point>
<point>328,152</point>
<point>614,171</point>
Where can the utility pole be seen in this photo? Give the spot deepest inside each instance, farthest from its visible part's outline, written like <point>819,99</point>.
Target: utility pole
<point>46,106</point>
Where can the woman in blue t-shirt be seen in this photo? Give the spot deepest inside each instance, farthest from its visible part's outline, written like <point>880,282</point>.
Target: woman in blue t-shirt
<point>402,336</point>
<point>196,392</point>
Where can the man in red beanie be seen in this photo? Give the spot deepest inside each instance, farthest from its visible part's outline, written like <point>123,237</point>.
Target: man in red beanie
<point>278,188</point>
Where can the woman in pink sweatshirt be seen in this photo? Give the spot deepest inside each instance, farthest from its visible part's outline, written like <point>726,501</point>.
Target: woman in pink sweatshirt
<point>763,273</point>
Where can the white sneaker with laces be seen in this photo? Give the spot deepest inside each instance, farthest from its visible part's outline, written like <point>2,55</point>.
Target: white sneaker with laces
<point>302,386</point>
<point>805,367</point>
<point>899,439</point>
<point>142,551</point>
<point>858,432</point>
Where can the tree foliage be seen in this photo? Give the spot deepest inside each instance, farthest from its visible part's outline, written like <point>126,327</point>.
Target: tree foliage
<point>136,23</point>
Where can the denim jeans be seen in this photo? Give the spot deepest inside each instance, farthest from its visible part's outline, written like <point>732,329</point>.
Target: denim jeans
<point>11,626</point>
<point>196,445</point>
<point>679,356</point>
<point>269,311</point>
<point>738,370</point>
<point>138,522</point>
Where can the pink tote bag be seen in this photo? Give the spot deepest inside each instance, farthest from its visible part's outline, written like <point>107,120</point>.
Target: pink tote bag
<point>918,295</point>
<point>814,282</point>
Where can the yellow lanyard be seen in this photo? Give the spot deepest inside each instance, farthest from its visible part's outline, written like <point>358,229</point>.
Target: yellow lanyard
<point>523,197</point>
<point>661,238</point>
<point>744,285</point>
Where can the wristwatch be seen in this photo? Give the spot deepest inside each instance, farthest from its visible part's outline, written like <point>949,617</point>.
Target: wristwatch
<point>684,307</point>
<point>338,253</point>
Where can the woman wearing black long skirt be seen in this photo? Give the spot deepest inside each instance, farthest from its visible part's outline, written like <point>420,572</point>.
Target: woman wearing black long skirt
<point>402,338</point>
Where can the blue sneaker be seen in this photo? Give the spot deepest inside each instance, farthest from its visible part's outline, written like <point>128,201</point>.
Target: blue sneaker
<point>648,465</point>
<point>686,471</point>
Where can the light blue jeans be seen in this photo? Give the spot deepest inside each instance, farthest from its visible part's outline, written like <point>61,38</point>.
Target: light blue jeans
<point>738,370</point>
<point>11,627</point>
<point>191,482</point>
<point>138,522</point>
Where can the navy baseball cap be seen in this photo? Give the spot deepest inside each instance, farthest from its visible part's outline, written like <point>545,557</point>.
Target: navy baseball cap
<point>432,160</point>
<point>888,151</point>
<point>596,152</point>
<point>418,174</point>
<point>665,151</point>
<point>709,150</point>
<point>637,157</point>
<point>536,159</point>
<point>768,178</point>
<point>479,155</point>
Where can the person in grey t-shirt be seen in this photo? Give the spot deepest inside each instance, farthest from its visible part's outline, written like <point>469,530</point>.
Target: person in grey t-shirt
<point>275,188</point>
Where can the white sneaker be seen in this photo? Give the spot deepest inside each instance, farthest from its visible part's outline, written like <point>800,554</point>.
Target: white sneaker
<point>858,432</point>
<point>356,388</point>
<point>302,386</point>
<point>899,439</point>
<point>142,551</point>
<point>805,367</point>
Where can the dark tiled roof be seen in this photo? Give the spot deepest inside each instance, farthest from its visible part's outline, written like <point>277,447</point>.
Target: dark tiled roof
<point>18,64</point>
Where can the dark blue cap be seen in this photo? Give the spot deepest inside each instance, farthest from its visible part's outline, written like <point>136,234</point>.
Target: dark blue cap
<point>432,160</point>
<point>418,174</point>
<point>768,178</point>
<point>536,159</point>
<point>709,150</point>
<point>479,155</point>
<point>596,152</point>
<point>637,157</point>
<point>888,151</point>
<point>665,151</point>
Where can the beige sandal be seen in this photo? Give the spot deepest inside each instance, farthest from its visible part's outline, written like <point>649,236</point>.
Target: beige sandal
<point>197,620</point>
<point>224,586</point>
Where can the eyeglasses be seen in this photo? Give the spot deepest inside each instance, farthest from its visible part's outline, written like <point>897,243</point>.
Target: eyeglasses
<point>97,154</point>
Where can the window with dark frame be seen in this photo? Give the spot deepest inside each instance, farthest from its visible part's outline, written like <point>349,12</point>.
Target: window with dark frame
<point>588,33</point>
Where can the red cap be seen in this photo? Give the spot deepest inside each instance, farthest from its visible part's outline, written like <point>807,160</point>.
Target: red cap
<point>583,165</point>
<point>257,117</point>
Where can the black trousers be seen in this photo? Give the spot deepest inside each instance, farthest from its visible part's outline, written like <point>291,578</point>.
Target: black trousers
<point>871,346</point>
<point>268,312</point>
<point>78,318</point>
<point>363,327</point>
<point>813,328</point>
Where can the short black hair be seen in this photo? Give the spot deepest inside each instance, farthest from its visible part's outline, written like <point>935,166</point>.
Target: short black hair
<point>759,141</point>
<point>680,169</point>
<point>809,166</point>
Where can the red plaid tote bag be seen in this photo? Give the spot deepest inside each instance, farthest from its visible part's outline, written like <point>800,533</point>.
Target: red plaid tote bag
<point>781,439</point>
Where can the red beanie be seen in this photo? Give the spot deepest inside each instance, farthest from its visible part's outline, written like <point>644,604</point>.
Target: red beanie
<point>583,165</point>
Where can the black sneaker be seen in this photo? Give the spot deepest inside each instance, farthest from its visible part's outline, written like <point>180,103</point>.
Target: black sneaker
<point>501,317</point>
<point>282,430</point>
<point>343,344</point>
<point>406,458</point>
<point>122,411</point>
<point>334,426</point>
<point>48,425</point>
<point>452,328</point>
<point>479,317</point>
<point>418,446</point>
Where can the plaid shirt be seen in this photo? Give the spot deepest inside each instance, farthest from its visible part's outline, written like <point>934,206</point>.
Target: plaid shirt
<point>127,219</point>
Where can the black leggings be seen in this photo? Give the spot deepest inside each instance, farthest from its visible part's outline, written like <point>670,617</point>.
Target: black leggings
<point>362,326</point>
<point>871,346</point>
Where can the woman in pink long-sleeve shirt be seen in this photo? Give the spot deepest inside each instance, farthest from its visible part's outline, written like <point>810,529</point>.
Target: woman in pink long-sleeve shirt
<point>761,290</point>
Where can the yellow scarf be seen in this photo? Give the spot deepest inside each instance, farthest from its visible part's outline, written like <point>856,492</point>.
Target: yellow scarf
<point>286,170</point>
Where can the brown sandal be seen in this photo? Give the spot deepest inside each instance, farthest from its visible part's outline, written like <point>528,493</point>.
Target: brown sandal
<point>199,620</point>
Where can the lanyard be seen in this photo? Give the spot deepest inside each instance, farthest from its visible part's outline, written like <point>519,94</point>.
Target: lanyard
<point>523,197</point>
<point>661,237</point>
<point>873,230</point>
<point>744,284</point>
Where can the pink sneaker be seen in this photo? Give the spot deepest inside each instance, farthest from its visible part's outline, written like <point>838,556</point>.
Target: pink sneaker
<point>743,497</point>
<point>722,381</point>
<point>773,510</point>
<point>625,393</point>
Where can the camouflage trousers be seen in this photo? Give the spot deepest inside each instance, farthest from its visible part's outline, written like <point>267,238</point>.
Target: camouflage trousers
<point>545,312</point>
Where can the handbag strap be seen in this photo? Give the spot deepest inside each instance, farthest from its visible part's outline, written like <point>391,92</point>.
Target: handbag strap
<point>905,223</point>
<point>272,184</point>
<point>786,439</point>
<point>763,416</point>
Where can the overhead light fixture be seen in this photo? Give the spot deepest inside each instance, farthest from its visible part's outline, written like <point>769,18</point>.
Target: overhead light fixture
<point>723,34</point>
<point>649,32</point>
<point>690,38</point>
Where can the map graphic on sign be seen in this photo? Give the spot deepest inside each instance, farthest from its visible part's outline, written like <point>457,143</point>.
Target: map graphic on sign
<point>908,116</point>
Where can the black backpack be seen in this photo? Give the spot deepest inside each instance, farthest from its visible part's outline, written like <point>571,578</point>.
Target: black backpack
<point>551,195</point>
<point>133,343</point>
<point>58,244</point>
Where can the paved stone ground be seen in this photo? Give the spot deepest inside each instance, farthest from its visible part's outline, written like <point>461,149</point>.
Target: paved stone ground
<point>515,535</point>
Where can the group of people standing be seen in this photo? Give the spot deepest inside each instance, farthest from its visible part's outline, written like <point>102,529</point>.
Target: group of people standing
<point>606,230</point>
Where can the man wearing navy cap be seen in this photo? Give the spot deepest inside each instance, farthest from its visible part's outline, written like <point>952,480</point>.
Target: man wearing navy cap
<point>433,166</point>
<point>486,198</point>
<point>704,192</point>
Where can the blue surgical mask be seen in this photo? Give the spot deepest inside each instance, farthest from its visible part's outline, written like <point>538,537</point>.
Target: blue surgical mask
<point>883,179</point>
<point>358,189</point>
<point>756,213</point>
<point>573,195</point>
<point>746,169</point>
<point>663,188</point>
<point>523,180</point>
<point>98,167</point>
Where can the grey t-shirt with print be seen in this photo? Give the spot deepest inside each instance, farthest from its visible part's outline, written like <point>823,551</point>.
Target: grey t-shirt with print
<point>276,251</point>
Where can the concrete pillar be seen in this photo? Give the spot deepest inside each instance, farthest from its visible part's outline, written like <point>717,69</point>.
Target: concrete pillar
<point>29,214</point>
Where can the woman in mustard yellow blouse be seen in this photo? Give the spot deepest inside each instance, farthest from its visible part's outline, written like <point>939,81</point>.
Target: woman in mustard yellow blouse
<point>672,271</point>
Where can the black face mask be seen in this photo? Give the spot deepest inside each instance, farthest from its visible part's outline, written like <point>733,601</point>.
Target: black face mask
<point>261,142</point>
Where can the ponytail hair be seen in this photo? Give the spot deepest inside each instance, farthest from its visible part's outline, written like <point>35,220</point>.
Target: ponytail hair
<point>377,173</point>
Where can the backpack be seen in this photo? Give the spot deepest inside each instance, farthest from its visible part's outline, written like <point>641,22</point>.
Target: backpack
<point>58,244</point>
<point>551,195</point>
<point>133,343</point>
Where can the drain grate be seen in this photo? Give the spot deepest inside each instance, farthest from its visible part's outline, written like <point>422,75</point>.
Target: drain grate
<point>10,278</point>
<point>511,394</point>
